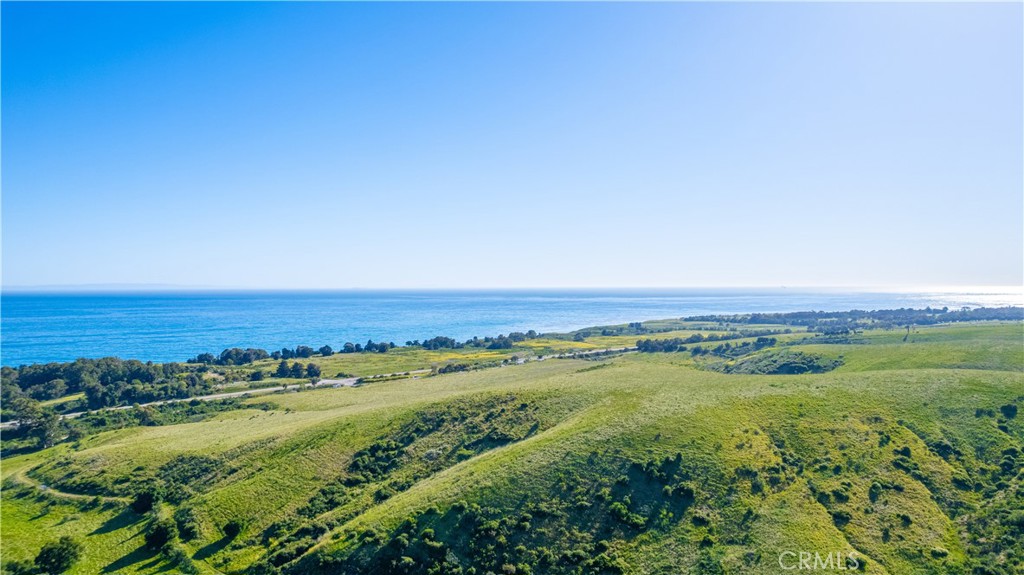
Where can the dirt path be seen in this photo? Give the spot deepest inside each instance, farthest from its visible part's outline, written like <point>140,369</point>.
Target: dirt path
<point>21,477</point>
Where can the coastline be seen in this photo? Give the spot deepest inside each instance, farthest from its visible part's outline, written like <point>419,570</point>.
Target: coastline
<point>171,326</point>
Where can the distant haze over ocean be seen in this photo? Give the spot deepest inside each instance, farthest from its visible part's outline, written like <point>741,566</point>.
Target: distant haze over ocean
<point>173,326</point>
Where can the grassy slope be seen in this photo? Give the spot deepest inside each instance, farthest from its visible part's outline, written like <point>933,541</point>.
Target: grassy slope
<point>804,438</point>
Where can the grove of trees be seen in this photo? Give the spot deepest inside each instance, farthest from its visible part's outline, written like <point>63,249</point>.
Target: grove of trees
<point>105,382</point>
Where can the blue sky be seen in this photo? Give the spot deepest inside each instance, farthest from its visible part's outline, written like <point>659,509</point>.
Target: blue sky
<point>281,145</point>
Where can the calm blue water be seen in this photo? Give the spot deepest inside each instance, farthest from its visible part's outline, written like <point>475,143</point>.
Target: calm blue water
<point>176,326</point>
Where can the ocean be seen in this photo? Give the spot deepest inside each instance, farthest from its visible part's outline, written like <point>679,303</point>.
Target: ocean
<point>45,327</point>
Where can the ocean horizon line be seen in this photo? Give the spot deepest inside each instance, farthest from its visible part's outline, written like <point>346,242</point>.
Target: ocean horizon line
<point>149,289</point>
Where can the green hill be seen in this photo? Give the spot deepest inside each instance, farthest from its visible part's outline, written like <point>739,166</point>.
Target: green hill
<point>903,456</point>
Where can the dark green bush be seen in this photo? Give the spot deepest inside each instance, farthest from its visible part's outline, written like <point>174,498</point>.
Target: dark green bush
<point>58,556</point>
<point>233,528</point>
<point>187,522</point>
<point>160,533</point>
<point>145,500</point>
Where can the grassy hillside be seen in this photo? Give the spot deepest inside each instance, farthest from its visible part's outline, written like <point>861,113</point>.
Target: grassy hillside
<point>907,457</point>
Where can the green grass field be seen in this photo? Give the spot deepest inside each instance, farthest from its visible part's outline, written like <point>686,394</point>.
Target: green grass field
<point>908,457</point>
<point>403,359</point>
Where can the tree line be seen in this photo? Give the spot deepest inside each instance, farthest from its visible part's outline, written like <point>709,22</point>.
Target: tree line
<point>239,356</point>
<point>680,343</point>
<point>498,342</point>
<point>295,370</point>
<point>105,382</point>
<point>837,321</point>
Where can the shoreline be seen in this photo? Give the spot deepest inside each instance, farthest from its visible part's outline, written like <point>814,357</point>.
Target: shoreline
<point>544,334</point>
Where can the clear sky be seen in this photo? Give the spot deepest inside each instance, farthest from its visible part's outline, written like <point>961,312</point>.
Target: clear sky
<point>281,145</point>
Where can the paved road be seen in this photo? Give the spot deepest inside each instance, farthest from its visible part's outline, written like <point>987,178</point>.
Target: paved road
<point>347,382</point>
<point>575,354</point>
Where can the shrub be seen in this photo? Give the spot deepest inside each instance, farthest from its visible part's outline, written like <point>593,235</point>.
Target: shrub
<point>622,513</point>
<point>18,567</point>
<point>160,533</point>
<point>1016,520</point>
<point>841,518</point>
<point>783,362</point>
<point>187,522</point>
<point>177,556</point>
<point>263,568</point>
<point>144,501</point>
<point>875,491</point>
<point>233,528</point>
<point>58,556</point>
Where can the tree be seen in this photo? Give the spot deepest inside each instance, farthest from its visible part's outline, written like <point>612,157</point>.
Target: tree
<point>95,394</point>
<point>46,429</point>
<point>49,390</point>
<point>501,342</point>
<point>313,370</point>
<point>203,358</point>
<point>326,351</point>
<point>440,342</point>
<point>172,368</point>
<point>195,381</point>
<point>187,522</point>
<point>256,375</point>
<point>233,528</point>
<point>161,533</point>
<point>37,422</point>
<point>282,369</point>
<point>237,356</point>
<point>58,556</point>
<point>145,501</point>
<point>297,370</point>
